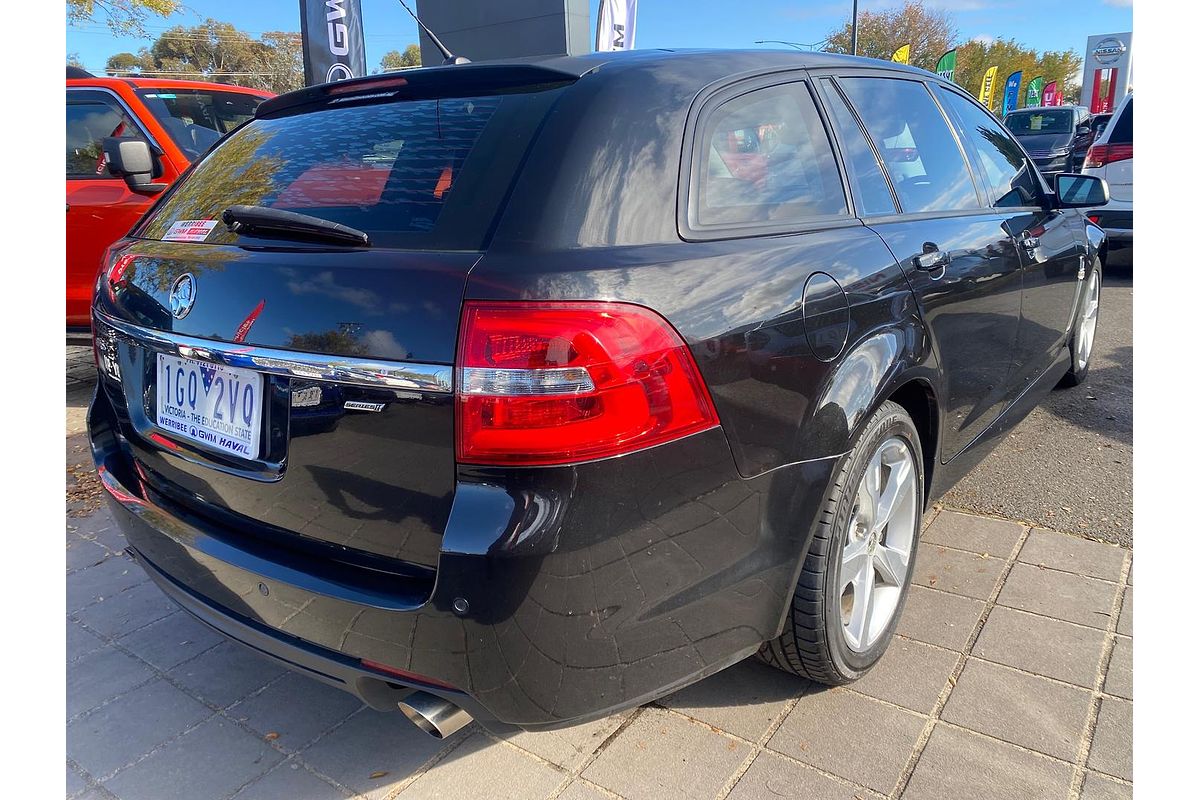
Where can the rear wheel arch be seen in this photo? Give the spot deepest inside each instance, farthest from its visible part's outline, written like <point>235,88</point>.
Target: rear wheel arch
<point>860,381</point>
<point>918,398</point>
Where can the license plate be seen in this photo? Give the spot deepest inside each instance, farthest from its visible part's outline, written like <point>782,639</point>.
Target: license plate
<point>215,405</point>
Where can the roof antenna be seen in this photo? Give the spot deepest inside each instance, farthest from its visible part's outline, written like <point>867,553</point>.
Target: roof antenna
<point>448,57</point>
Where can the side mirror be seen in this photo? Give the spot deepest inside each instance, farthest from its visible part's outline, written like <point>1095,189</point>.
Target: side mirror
<point>1079,191</point>
<point>133,160</point>
<point>1083,129</point>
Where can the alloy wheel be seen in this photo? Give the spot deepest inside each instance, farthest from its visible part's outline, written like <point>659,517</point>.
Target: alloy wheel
<point>879,544</point>
<point>1087,325</point>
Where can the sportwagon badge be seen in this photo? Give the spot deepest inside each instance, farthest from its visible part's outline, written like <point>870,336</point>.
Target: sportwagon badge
<point>183,295</point>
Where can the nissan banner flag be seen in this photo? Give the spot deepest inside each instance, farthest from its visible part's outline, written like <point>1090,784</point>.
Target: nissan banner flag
<point>616,25</point>
<point>331,35</point>
<point>945,65</point>
<point>1033,94</point>
<point>1012,93</point>
<point>1049,92</point>
<point>987,86</point>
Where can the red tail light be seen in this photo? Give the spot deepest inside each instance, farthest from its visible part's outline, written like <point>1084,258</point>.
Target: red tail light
<point>374,85</point>
<point>1100,154</point>
<point>559,383</point>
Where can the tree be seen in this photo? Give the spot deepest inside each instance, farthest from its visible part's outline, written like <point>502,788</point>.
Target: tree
<point>217,51</point>
<point>1009,56</point>
<point>282,58</point>
<point>210,51</point>
<point>122,64</point>
<point>929,32</point>
<point>394,59</point>
<point>123,16</point>
<point>73,60</point>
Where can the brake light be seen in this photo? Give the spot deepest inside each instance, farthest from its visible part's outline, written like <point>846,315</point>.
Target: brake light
<point>559,383</point>
<point>1100,154</point>
<point>373,85</point>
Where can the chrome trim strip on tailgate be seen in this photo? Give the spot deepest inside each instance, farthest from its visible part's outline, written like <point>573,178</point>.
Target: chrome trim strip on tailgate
<point>290,363</point>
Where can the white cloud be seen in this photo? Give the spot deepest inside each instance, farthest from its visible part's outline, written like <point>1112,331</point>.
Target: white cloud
<point>961,5</point>
<point>983,38</point>
<point>383,344</point>
<point>323,283</point>
<point>1119,3</point>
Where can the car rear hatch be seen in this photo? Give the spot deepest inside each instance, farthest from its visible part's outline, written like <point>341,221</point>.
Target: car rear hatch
<point>295,386</point>
<point>1119,169</point>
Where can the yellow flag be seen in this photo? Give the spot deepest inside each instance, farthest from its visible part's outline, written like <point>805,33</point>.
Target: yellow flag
<point>986,87</point>
<point>901,55</point>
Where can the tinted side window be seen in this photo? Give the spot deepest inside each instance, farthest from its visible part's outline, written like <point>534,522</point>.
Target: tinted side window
<point>871,193</point>
<point>1122,132</point>
<point>764,157</point>
<point>89,122</point>
<point>1005,167</point>
<point>918,149</point>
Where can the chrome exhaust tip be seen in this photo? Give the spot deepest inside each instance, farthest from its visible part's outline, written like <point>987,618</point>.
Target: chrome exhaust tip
<point>437,717</point>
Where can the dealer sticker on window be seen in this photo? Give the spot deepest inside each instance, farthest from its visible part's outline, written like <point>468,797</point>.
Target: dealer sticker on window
<point>189,230</point>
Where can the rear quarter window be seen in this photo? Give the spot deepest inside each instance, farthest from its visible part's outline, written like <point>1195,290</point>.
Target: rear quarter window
<point>763,159</point>
<point>425,174</point>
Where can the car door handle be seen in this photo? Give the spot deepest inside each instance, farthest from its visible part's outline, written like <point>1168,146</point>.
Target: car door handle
<point>931,260</point>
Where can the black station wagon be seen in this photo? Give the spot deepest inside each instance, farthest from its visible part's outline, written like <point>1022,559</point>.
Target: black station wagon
<point>529,391</point>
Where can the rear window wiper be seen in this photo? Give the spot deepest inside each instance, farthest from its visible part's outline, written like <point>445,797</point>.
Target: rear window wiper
<point>253,220</point>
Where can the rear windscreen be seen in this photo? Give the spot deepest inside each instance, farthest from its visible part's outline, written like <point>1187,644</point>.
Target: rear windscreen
<point>427,174</point>
<point>1122,132</point>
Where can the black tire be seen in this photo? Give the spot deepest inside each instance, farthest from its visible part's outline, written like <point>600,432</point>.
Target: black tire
<point>813,644</point>
<point>1076,373</point>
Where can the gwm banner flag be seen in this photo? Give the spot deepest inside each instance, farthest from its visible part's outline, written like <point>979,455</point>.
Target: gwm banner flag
<point>946,64</point>
<point>987,87</point>
<point>331,35</point>
<point>901,54</point>
<point>1033,93</point>
<point>1012,93</point>
<point>616,25</point>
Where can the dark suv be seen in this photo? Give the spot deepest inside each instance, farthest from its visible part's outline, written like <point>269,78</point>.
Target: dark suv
<point>531,391</point>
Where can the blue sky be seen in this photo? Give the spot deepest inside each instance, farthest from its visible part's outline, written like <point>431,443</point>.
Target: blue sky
<point>666,23</point>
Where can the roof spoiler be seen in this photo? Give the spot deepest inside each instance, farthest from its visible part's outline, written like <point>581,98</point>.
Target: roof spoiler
<point>459,80</point>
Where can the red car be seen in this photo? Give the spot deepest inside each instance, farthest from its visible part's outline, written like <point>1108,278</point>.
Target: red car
<point>179,120</point>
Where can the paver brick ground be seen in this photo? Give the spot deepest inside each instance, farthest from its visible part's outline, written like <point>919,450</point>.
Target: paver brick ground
<point>1009,678</point>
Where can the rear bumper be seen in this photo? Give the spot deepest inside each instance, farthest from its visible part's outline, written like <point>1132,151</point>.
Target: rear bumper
<point>377,690</point>
<point>589,589</point>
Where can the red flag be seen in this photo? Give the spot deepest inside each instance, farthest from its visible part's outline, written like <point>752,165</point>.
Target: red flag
<point>1049,92</point>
